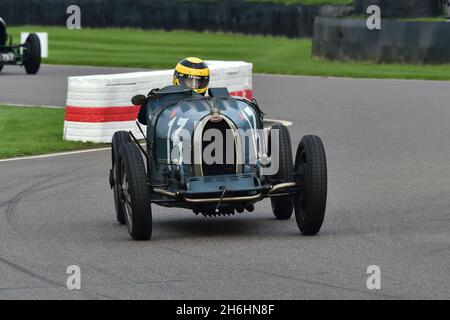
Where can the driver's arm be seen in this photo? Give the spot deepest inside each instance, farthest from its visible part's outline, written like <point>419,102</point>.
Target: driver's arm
<point>142,116</point>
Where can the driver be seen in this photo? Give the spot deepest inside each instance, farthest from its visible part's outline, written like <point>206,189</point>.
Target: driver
<point>193,73</point>
<point>3,34</point>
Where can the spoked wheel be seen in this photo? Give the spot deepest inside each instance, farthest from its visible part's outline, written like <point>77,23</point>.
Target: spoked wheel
<point>310,172</point>
<point>32,54</point>
<point>120,138</point>
<point>135,193</point>
<point>282,207</point>
<point>126,199</point>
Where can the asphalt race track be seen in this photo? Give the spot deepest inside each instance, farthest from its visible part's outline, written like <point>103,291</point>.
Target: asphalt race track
<point>388,149</point>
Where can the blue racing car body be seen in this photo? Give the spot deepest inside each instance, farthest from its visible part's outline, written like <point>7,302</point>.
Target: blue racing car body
<point>211,154</point>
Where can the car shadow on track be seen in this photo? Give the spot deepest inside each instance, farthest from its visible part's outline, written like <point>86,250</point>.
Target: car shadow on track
<point>198,227</point>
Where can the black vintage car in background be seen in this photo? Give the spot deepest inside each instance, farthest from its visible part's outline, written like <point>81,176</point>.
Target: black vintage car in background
<point>27,54</point>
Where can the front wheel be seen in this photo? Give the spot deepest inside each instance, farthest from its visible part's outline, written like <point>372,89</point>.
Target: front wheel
<point>119,139</point>
<point>135,194</point>
<point>32,54</point>
<point>310,172</point>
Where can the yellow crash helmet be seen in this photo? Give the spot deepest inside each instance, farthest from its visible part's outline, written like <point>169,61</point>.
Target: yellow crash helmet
<point>193,73</point>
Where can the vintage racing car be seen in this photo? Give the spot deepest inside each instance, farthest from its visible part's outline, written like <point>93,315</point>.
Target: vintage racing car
<point>27,54</point>
<point>182,163</point>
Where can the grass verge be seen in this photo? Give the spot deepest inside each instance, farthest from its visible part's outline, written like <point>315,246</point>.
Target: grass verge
<point>426,19</point>
<point>34,130</point>
<point>161,49</point>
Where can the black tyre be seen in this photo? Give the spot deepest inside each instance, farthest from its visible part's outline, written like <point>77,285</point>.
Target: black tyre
<point>32,54</point>
<point>282,207</point>
<point>1,67</point>
<point>311,172</point>
<point>135,192</point>
<point>119,138</point>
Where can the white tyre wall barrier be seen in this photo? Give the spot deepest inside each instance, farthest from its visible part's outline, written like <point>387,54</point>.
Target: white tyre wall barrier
<point>99,105</point>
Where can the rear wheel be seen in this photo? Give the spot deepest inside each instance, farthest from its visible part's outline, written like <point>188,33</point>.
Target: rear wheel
<point>32,54</point>
<point>1,67</point>
<point>282,207</point>
<point>135,193</point>
<point>311,173</point>
<point>120,138</point>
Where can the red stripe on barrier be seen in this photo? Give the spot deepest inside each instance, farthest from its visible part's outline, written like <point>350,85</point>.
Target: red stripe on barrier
<point>114,114</point>
<point>244,93</point>
<point>105,114</point>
